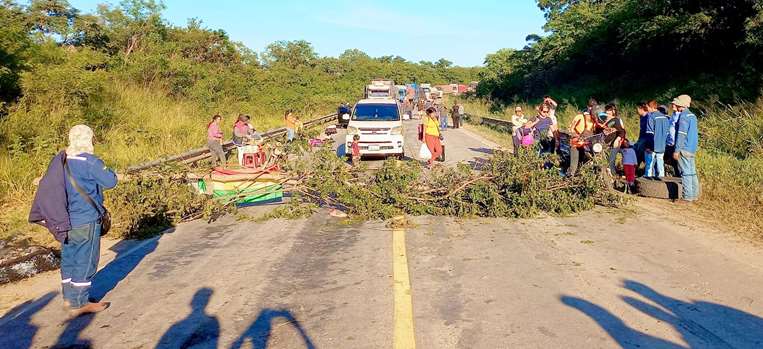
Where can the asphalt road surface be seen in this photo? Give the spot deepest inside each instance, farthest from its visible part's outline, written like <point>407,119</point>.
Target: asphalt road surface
<point>630,278</point>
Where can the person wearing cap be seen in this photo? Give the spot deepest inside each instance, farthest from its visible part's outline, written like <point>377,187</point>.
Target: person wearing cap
<point>582,127</point>
<point>687,142</point>
<point>84,177</point>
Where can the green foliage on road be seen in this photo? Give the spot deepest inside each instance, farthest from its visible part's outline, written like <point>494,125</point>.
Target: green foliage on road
<point>148,87</point>
<point>506,186</point>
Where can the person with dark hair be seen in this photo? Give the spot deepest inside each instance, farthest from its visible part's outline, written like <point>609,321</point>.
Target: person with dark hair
<point>659,129</point>
<point>544,129</point>
<point>581,128</point>
<point>242,135</point>
<point>643,146</point>
<point>629,164</point>
<point>215,141</point>
<point>432,135</point>
<point>615,130</point>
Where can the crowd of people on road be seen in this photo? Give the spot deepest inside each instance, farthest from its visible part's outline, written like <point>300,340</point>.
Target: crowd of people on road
<point>665,138</point>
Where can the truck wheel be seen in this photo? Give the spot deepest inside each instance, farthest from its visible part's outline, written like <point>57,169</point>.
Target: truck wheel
<point>666,188</point>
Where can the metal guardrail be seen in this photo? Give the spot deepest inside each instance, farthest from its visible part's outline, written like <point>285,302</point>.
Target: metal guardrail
<point>498,123</point>
<point>198,154</point>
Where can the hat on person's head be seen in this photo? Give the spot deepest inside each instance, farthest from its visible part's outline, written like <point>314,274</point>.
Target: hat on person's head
<point>682,101</point>
<point>80,140</point>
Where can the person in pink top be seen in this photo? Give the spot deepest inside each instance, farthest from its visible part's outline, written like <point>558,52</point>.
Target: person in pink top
<point>215,141</point>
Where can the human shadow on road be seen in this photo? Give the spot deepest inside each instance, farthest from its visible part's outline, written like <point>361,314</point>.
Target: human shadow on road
<point>701,324</point>
<point>104,281</point>
<point>197,330</point>
<point>124,263</point>
<point>16,327</point>
<point>259,332</point>
<point>482,150</point>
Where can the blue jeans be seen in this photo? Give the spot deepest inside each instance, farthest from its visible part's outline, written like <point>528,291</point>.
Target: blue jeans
<point>613,161</point>
<point>443,122</point>
<point>655,165</point>
<point>79,262</point>
<point>689,178</point>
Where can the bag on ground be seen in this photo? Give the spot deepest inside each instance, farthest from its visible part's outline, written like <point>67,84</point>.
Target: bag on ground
<point>424,152</point>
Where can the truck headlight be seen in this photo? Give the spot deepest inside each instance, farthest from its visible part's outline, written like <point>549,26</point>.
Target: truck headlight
<point>397,130</point>
<point>352,130</point>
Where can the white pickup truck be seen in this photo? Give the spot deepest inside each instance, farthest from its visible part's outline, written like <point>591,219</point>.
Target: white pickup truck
<point>378,123</point>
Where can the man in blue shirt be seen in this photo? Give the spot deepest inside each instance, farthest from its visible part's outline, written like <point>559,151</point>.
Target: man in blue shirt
<point>85,174</point>
<point>643,146</point>
<point>687,142</point>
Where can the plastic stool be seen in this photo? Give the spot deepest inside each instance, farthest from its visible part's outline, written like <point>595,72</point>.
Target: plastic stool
<point>250,160</point>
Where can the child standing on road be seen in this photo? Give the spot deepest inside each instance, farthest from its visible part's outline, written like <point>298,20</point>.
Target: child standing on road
<point>629,164</point>
<point>355,150</point>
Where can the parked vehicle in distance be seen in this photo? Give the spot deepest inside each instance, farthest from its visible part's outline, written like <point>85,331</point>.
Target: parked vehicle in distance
<point>426,89</point>
<point>380,126</point>
<point>380,89</point>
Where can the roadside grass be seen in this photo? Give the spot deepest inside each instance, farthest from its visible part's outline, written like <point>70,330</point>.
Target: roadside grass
<point>138,124</point>
<point>729,163</point>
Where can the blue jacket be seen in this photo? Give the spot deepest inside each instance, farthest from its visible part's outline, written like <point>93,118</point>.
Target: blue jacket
<point>50,201</point>
<point>659,126</point>
<point>673,129</point>
<point>92,176</point>
<point>647,128</point>
<point>687,136</point>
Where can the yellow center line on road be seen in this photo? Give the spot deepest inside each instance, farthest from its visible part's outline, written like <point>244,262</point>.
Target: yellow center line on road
<point>403,332</point>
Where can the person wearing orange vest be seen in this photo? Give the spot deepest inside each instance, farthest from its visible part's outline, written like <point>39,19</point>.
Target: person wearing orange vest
<point>581,128</point>
<point>432,135</point>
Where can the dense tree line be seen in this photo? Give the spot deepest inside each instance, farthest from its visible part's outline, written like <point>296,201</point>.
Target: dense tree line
<point>634,49</point>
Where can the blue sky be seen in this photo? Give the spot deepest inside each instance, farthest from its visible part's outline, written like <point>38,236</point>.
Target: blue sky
<point>460,31</point>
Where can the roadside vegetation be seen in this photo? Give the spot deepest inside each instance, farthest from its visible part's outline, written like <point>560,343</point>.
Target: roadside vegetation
<point>625,51</point>
<point>148,89</point>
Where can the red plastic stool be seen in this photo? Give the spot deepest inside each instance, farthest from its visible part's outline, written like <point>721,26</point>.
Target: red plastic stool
<point>250,160</point>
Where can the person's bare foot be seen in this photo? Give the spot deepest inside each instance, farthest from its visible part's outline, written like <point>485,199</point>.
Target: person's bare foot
<point>89,308</point>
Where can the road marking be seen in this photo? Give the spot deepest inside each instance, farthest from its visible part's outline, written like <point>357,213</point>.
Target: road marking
<point>403,332</point>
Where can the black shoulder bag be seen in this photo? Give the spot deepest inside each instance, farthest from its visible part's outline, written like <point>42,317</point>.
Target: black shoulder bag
<point>104,215</point>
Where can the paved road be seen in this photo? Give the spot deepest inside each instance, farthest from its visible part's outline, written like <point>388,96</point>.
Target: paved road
<point>461,146</point>
<point>603,279</point>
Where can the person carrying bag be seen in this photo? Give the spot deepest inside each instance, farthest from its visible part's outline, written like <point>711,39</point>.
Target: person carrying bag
<point>73,186</point>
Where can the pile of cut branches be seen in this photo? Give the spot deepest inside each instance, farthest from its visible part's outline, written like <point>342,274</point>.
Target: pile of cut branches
<point>506,186</point>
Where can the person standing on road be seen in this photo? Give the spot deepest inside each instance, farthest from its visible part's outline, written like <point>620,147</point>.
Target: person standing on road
<point>659,128</point>
<point>582,128</point>
<point>630,162</point>
<point>432,135</point>
<point>670,144</point>
<point>443,115</point>
<point>687,142</point>
<point>460,110</point>
<point>355,148</point>
<point>455,116</point>
<point>86,179</point>
<point>615,130</point>
<point>643,146</point>
<point>292,123</point>
<point>215,141</point>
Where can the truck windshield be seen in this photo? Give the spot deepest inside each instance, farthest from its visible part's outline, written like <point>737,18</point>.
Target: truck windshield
<point>383,93</point>
<point>376,112</point>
